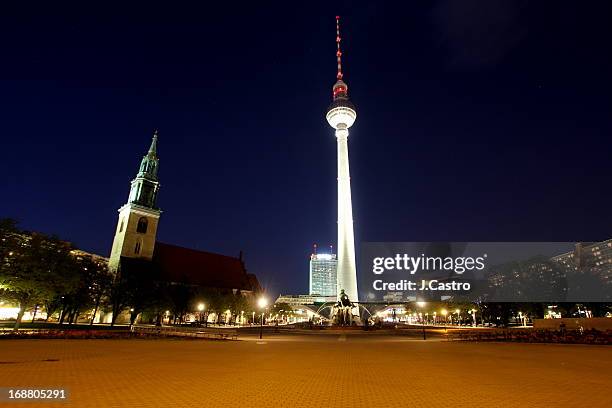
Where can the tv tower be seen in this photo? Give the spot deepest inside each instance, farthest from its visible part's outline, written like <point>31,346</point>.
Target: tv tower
<point>341,115</point>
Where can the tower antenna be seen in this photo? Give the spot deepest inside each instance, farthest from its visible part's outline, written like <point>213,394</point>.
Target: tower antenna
<point>315,248</point>
<point>338,52</point>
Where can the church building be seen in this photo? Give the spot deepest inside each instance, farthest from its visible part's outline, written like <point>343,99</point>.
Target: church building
<point>135,242</point>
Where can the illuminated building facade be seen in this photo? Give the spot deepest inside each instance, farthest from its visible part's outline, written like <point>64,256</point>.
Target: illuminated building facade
<point>301,300</point>
<point>323,279</point>
<point>588,254</point>
<point>595,257</point>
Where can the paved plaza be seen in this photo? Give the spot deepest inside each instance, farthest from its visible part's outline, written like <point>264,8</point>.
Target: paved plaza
<point>329,370</point>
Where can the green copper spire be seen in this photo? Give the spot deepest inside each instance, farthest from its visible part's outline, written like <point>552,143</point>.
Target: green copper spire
<point>150,162</point>
<point>146,185</point>
<point>153,148</point>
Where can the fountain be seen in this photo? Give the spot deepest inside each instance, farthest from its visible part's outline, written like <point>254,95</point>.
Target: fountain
<point>345,313</point>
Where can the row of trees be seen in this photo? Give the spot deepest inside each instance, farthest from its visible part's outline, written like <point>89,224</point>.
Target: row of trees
<point>38,271</point>
<point>153,300</point>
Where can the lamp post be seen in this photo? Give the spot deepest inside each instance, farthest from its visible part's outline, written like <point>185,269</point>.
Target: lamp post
<point>458,316</point>
<point>444,313</point>
<point>421,305</point>
<point>474,316</point>
<point>522,319</point>
<point>262,303</point>
<point>200,309</point>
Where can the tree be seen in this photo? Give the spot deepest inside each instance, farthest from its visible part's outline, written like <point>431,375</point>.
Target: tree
<point>142,290</point>
<point>100,280</point>
<point>136,287</point>
<point>93,283</point>
<point>118,297</point>
<point>53,305</point>
<point>243,304</point>
<point>10,241</point>
<point>180,298</point>
<point>34,268</point>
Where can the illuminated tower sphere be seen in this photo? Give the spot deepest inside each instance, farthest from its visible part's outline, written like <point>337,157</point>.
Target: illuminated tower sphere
<point>341,115</point>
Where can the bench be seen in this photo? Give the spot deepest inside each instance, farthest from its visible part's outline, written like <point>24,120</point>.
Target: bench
<point>225,334</point>
<point>221,334</point>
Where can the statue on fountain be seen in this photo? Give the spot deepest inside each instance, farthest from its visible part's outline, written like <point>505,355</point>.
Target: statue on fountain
<point>342,313</point>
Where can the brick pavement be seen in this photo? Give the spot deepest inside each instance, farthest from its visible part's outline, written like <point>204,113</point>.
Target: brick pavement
<point>310,371</point>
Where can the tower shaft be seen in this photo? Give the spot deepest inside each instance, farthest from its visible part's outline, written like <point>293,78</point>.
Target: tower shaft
<point>341,115</point>
<point>347,275</point>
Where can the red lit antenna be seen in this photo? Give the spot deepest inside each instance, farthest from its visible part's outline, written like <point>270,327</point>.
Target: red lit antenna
<point>338,53</point>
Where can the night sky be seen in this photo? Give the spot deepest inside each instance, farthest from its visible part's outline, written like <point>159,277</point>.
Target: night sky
<point>477,120</point>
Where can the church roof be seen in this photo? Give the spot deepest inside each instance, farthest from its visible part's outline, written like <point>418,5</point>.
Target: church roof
<point>254,283</point>
<point>190,266</point>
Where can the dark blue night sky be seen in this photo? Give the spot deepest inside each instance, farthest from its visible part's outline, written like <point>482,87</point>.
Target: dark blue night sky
<point>477,120</point>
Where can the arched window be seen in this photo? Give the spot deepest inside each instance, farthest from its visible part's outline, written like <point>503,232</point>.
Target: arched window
<point>137,248</point>
<point>121,226</point>
<point>142,225</point>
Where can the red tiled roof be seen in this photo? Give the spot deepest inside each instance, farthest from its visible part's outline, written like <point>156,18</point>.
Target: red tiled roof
<point>177,264</point>
<point>254,283</point>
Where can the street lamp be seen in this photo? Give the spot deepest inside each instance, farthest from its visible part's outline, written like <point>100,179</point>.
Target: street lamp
<point>444,313</point>
<point>201,309</point>
<point>522,319</point>
<point>474,316</point>
<point>262,303</point>
<point>422,304</point>
<point>458,316</point>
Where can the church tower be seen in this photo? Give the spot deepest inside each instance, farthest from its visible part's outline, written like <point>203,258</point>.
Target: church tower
<point>137,225</point>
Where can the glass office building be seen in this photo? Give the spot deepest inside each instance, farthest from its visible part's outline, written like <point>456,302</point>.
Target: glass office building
<point>323,280</point>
